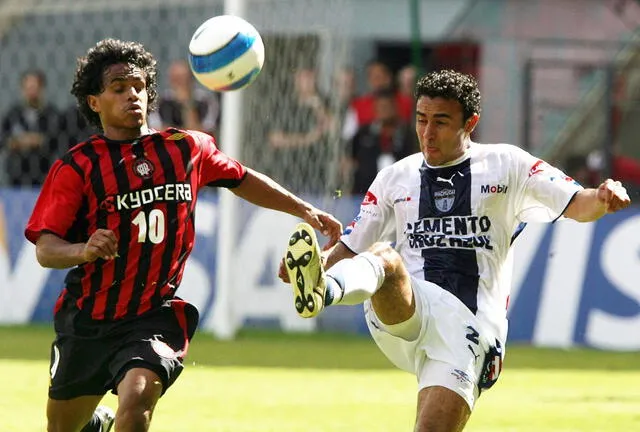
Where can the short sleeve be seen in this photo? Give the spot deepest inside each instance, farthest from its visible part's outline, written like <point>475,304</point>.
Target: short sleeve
<point>217,169</point>
<point>546,190</point>
<point>374,222</point>
<point>58,203</point>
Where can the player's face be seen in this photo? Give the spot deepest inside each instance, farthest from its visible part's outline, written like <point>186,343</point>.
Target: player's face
<point>441,130</point>
<point>122,105</point>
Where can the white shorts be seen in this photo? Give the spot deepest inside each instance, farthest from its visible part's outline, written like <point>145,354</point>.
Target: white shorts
<point>450,349</point>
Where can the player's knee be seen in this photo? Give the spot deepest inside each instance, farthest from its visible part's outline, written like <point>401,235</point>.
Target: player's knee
<point>134,416</point>
<point>138,393</point>
<point>391,260</point>
<point>441,409</point>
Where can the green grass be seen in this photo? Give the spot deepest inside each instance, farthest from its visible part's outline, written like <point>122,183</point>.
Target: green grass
<point>253,384</point>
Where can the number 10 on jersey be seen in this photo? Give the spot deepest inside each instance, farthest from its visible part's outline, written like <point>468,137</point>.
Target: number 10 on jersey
<point>151,226</point>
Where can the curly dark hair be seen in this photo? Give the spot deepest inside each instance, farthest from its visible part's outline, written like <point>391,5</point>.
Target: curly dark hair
<point>89,74</point>
<point>449,84</point>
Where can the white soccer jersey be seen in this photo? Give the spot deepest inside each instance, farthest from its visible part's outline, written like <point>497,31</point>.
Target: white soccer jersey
<point>453,225</point>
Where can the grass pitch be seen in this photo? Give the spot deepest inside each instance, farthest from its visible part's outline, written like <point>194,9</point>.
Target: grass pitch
<point>314,383</point>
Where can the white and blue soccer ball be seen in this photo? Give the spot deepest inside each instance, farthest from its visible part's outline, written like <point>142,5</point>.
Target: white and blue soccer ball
<point>226,53</point>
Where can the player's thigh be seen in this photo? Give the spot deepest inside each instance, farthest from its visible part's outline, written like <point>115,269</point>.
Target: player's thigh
<point>393,302</point>
<point>441,410</point>
<point>70,415</point>
<point>453,346</point>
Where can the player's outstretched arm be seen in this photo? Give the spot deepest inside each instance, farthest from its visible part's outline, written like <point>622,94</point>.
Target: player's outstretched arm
<point>55,252</point>
<point>591,204</point>
<point>261,190</point>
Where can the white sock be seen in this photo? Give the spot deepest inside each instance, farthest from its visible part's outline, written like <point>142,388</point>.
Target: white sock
<point>354,280</point>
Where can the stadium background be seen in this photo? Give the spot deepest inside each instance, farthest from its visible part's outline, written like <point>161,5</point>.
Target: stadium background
<point>559,77</point>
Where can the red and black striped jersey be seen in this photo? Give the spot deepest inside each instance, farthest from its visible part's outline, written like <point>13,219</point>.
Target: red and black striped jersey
<point>143,190</point>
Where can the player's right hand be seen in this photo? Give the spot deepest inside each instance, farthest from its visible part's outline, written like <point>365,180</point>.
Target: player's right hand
<point>325,223</point>
<point>282,272</point>
<point>102,244</point>
<point>282,269</point>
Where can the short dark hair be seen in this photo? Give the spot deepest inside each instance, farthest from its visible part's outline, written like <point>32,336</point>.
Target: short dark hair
<point>90,72</point>
<point>449,84</point>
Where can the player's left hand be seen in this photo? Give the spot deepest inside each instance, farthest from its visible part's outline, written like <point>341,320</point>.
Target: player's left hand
<point>613,195</point>
<point>325,223</point>
<point>282,269</point>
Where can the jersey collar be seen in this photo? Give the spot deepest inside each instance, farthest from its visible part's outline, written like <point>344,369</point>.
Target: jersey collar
<point>466,155</point>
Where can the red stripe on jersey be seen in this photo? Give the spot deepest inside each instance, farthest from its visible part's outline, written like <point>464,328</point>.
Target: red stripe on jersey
<point>163,270</point>
<point>85,164</point>
<point>59,301</point>
<point>134,247</point>
<point>112,223</point>
<point>187,230</point>
<point>151,283</point>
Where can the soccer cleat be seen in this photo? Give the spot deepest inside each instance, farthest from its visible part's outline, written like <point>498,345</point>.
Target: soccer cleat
<point>106,416</point>
<point>306,275</point>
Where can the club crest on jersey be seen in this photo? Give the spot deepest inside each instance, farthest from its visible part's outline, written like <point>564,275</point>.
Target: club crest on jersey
<point>176,136</point>
<point>444,199</point>
<point>143,168</point>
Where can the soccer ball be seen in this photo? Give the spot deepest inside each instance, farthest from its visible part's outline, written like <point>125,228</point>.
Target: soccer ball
<point>226,53</point>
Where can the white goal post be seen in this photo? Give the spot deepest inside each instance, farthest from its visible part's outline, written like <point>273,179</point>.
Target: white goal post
<point>299,35</point>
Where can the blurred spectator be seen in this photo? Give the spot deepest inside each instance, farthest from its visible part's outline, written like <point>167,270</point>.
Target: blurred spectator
<point>344,90</point>
<point>184,105</point>
<point>624,169</point>
<point>298,135</point>
<point>29,134</point>
<point>379,77</point>
<point>407,81</point>
<point>576,167</point>
<point>379,144</point>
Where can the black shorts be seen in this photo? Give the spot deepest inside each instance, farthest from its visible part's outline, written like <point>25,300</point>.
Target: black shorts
<point>91,357</point>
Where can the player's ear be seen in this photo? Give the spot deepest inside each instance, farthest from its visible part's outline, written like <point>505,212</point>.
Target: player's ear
<point>93,103</point>
<point>471,123</point>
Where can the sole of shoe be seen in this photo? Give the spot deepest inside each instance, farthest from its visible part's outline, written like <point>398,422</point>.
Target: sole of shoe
<point>304,267</point>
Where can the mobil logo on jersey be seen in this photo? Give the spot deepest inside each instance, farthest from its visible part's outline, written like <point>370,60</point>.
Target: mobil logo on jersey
<point>493,189</point>
<point>444,199</point>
